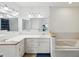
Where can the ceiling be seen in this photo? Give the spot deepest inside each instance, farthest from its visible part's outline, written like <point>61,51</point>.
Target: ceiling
<point>18,5</point>
<point>54,4</point>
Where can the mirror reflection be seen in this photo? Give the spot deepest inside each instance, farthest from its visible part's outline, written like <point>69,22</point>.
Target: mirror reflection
<point>37,24</point>
<point>9,24</point>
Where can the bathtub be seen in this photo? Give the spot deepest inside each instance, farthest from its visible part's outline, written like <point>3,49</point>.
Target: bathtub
<point>67,48</point>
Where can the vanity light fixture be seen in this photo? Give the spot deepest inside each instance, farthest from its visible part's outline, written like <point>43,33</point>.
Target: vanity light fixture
<point>30,16</point>
<point>70,2</point>
<point>15,13</point>
<point>9,16</point>
<point>1,16</point>
<point>39,16</point>
<point>5,9</point>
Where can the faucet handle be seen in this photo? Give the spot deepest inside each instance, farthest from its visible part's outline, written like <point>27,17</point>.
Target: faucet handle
<point>52,34</point>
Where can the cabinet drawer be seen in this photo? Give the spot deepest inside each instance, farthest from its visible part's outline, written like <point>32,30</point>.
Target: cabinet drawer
<point>32,45</point>
<point>44,44</point>
<point>31,40</point>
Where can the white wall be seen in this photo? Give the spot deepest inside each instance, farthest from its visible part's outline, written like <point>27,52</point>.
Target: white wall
<point>24,11</point>
<point>0,24</point>
<point>64,19</point>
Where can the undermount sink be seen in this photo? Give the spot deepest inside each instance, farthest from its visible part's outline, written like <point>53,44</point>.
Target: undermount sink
<point>7,41</point>
<point>4,40</point>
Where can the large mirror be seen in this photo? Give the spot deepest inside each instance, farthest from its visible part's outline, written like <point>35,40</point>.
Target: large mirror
<point>26,25</point>
<point>9,24</point>
<point>37,24</point>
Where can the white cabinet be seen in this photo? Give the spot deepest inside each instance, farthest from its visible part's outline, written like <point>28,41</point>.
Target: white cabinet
<point>37,45</point>
<point>8,50</point>
<point>43,46</point>
<point>31,45</point>
<point>14,50</point>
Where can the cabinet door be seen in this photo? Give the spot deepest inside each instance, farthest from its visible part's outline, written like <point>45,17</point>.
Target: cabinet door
<point>20,48</point>
<point>31,45</point>
<point>43,46</point>
<point>32,50</point>
<point>8,51</point>
<point>31,42</point>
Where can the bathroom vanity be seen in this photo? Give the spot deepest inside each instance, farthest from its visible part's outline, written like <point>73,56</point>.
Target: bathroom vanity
<point>38,41</point>
<point>18,45</point>
<point>38,45</point>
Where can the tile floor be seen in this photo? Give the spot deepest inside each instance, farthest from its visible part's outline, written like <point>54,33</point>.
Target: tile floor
<point>29,55</point>
<point>36,55</point>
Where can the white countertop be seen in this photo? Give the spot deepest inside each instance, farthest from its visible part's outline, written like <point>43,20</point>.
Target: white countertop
<point>21,37</point>
<point>9,43</point>
<point>18,38</point>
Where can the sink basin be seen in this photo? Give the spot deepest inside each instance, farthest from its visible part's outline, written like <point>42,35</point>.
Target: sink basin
<point>4,40</point>
<point>1,35</point>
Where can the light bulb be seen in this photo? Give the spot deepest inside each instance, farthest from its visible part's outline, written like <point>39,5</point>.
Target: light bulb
<point>30,16</point>
<point>5,8</point>
<point>9,16</point>
<point>70,2</point>
<point>39,16</point>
